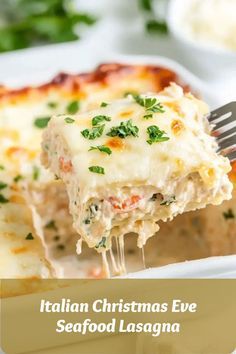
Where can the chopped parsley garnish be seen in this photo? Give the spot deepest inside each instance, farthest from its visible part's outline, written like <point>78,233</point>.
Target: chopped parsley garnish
<point>3,200</point>
<point>104,104</point>
<point>168,201</point>
<point>73,107</point>
<point>52,104</point>
<point>156,135</point>
<point>29,236</point>
<point>87,221</point>
<point>18,178</point>
<point>101,243</point>
<point>56,238</point>
<point>2,185</point>
<point>93,133</point>
<point>229,214</point>
<point>41,122</point>
<point>148,116</point>
<point>2,167</point>
<point>155,196</point>
<point>51,225</point>
<point>69,120</point>
<point>154,26</point>
<point>124,129</point>
<point>101,148</point>
<point>150,103</point>
<point>98,119</point>
<point>97,169</point>
<point>36,173</point>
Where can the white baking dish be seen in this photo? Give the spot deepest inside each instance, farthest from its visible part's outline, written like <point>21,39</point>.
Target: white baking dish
<point>217,267</point>
<point>72,59</point>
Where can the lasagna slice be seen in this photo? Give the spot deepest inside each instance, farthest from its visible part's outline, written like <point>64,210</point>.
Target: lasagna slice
<point>134,162</point>
<point>22,254</point>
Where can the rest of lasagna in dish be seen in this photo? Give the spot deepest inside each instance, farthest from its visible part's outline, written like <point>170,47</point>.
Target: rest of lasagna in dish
<point>136,161</point>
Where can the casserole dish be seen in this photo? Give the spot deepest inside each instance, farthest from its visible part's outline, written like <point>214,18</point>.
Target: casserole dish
<point>190,236</point>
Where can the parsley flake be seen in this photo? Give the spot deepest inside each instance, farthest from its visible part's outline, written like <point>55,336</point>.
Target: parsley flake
<point>97,169</point>
<point>101,148</point>
<point>73,107</point>
<point>41,122</point>
<point>229,214</point>
<point>2,167</point>
<point>2,185</point>
<point>124,129</point>
<point>93,133</point>
<point>98,119</point>
<point>36,173</point>
<point>52,104</point>
<point>69,120</point>
<point>150,103</point>
<point>29,236</point>
<point>104,104</point>
<point>3,200</point>
<point>168,201</point>
<point>51,225</point>
<point>56,238</point>
<point>18,178</point>
<point>148,116</point>
<point>156,135</point>
<point>102,243</point>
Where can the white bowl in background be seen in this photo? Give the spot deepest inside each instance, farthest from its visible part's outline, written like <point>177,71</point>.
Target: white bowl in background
<point>214,61</point>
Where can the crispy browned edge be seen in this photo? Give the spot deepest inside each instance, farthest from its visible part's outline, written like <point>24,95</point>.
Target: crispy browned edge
<point>103,74</point>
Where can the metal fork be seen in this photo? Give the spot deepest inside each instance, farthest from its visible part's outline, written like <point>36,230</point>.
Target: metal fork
<point>223,120</point>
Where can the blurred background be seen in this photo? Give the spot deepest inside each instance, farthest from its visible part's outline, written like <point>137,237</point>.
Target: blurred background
<point>198,34</point>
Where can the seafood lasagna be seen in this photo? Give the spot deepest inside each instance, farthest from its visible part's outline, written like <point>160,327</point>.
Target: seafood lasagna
<point>135,161</point>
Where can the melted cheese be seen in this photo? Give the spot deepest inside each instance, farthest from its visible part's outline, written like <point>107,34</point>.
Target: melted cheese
<point>142,183</point>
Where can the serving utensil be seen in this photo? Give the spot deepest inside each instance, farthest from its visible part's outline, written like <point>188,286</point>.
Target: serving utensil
<point>223,120</point>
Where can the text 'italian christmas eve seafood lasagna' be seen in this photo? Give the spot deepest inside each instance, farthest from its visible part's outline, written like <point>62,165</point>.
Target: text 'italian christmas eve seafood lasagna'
<point>136,161</point>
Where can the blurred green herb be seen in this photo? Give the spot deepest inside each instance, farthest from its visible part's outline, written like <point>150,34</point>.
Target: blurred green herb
<point>25,23</point>
<point>154,26</point>
<point>145,5</point>
<point>154,22</point>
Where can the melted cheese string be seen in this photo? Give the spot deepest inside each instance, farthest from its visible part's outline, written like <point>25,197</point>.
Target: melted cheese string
<point>113,262</point>
<point>105,264</point>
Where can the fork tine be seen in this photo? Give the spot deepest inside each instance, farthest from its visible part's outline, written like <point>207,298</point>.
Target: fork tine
<point>224,122</point>
<point>224,129</point>
<point>227,142</point>
<point>227,133</point>
<point>220,111</point>
<point>231,156</point>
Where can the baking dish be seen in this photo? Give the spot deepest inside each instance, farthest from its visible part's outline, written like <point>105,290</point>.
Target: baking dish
<point>217,267</point>
<point>202,88</point>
